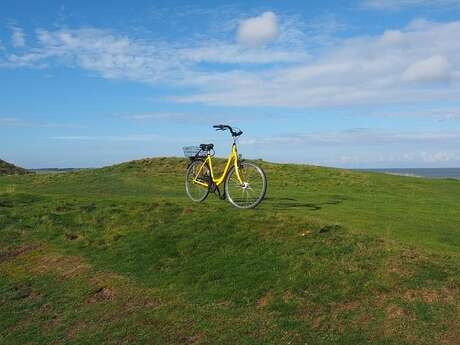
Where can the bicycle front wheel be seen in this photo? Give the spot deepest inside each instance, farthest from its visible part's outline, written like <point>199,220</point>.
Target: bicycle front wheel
<point>197,181</point>
<point>251,191</point>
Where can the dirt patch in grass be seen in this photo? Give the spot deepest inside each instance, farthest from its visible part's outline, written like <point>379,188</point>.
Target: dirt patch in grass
<point>426,295</point>
<point>101,294</point>
<point>394,311</point>
<point>452,335</point>
<point>381,316</point>
<point>396,322</point>
<point>451,295</point>
<point>113,288</point>
<point>76,328</point>
<point>429,296</point>
<point>52,323</point>
<point>264,300</point>
<point>399,268</point>
<point>71,237</point>
<point>288,296</point>
<point>13,252</point>
<point>318,321</point>
<point>187,210</point>
<point>409,254</point>
<point>140,303</point>
<point>65,265</point>
<point>337,317</point>
<point>192,339</point>
<point>347,306</point>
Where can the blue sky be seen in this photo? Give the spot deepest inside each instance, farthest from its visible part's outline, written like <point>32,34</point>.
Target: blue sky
<point>366,83</point>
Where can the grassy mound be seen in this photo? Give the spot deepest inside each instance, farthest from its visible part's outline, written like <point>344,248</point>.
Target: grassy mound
<point>119,255</point>
<point>11,169</point>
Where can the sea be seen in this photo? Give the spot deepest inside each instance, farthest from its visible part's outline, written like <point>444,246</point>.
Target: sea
<point>453,173</point>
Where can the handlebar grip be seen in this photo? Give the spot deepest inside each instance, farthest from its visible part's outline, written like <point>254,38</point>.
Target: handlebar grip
<point>234,131</point>
<point>219,127</point>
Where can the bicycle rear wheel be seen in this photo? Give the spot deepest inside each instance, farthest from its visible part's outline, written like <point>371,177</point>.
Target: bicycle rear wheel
<point>197,172</point>
<point>252,191</point>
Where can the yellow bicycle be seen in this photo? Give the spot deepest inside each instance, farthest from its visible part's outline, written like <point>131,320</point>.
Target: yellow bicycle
<point>245,183</point>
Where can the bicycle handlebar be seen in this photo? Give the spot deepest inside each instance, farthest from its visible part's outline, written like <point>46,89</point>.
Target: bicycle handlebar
<point>234,132</point>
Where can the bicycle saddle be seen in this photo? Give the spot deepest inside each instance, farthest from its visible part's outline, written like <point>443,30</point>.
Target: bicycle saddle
<point>206,147</point>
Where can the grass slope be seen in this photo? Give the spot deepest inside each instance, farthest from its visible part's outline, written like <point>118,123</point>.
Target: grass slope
<point>11,169</point>
<point>119,256</point>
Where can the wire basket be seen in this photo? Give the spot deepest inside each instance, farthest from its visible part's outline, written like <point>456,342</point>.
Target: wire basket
<point>192,151</point>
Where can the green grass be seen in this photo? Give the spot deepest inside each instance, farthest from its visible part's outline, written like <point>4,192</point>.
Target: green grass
<point>120,256</point>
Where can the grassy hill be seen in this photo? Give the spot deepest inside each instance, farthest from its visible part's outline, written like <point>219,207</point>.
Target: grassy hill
<point>119,255</point>
<point>11,169</point>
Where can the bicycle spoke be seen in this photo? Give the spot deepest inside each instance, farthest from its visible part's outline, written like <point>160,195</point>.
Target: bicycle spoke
<point>252,189</point>
<point>197,173</point>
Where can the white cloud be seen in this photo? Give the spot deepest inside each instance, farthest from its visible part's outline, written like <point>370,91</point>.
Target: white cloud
<point>447,114</point>
<point>10,122</point>
<point>440,114</point>
<point>18,37</point>
<point>361,70</point>
<point>361,137</point>
<point>192,118</point>
<point>17,122</point>
<point>435,68</point>
<point>224,53</point>
<point>116,56</point>
<point>257,31</point>
<point>393,37</point>
<point>436,157</point>
<point>134,137</point>
<point>157,116</point>
<point>400,4</point>
<point>394,67</point>
<point>361,147</point>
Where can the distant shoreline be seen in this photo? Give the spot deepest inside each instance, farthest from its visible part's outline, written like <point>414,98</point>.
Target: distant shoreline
<point>433,173</point>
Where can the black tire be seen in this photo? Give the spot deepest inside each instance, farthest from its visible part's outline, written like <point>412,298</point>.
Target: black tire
<point>194,191</point>
<point>252,191</point>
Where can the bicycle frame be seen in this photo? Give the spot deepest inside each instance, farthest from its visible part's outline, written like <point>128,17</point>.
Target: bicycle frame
<point>233,157</point>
